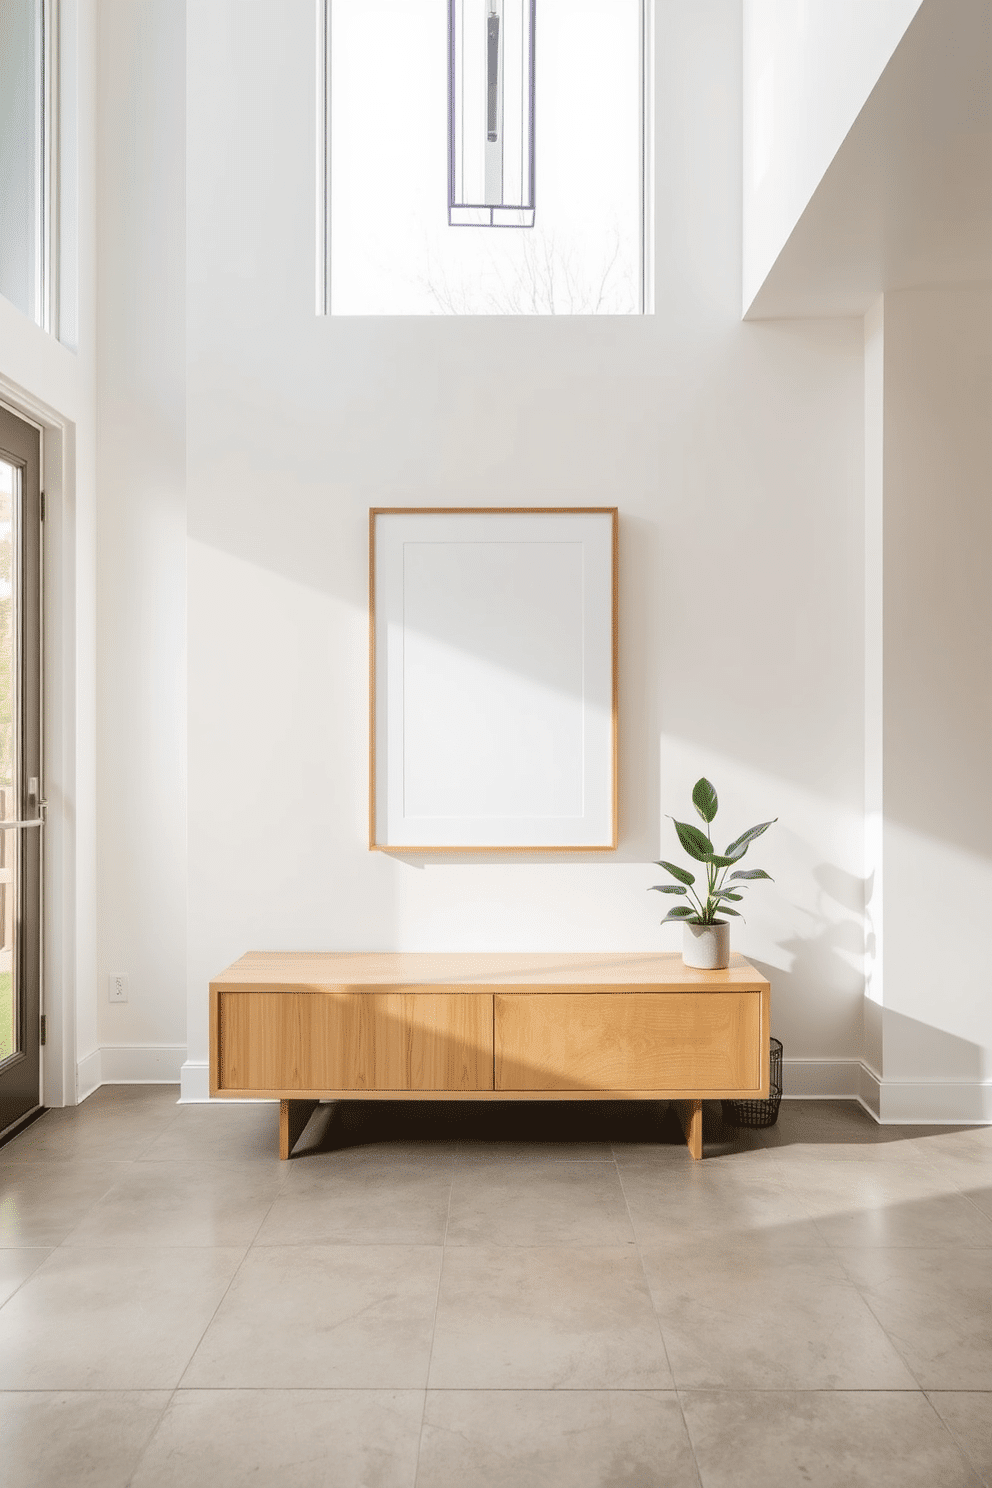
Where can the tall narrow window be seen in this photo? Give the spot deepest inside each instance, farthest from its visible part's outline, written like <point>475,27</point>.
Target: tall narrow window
<point>441,126</point>
<point>27,62</point>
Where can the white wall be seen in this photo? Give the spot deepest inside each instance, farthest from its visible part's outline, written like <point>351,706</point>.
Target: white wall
<point>142,531</point>
<point>735,454</point>
<point>809,66</point>
<point>56,388</point>
<point>932,716</point>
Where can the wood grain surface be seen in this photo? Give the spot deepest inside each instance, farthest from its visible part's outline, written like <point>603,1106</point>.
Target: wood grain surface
<point>293,1117</point>
<point>271,1042</point>
<point>658,1041</point>
<point>471,971</point>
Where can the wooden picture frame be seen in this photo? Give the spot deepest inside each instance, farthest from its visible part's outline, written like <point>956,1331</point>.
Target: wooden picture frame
<point>493,679</point>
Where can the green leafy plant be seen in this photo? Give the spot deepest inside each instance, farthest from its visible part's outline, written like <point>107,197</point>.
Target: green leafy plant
<point>721,892</point>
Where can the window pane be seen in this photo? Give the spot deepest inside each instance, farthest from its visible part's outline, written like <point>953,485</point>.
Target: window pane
<point>8,806</point>
<point>392,249</point>
<point>20,153</point>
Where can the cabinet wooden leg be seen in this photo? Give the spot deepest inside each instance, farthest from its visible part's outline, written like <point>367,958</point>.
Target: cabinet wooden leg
<point>691,1116</point>
<point>293,1117</point>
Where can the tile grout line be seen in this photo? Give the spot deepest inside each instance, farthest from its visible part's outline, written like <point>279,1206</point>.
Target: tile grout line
<point>835,1251</point>
<point>178,1385</point>
<point>127,1163</point>
<point>106,1194</point>
<point>234,1276</point>
<point>640,1259</point>
<point>31,1274</point>
<point>688,1436</point>
<point>885,1332</point>
<point>152,1434</point>
<point>966,1195</point>
<point>966,1455</point>
<point>430,1352</point>
<point>661,1331</point>
<point>830,1390</point>
<point>128,1166</point>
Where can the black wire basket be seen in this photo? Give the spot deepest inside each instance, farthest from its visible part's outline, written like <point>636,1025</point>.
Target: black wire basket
<point>758,1113</point>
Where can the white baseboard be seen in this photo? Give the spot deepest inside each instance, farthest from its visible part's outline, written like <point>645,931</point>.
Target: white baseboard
<point>890,1102</point>
<point>194,1087</point>
<point>142,1064</point>
<point>129,1064</point>
<point>935,1102</point>
<point>194,1082</point>
<point>88,1076</point>
<point>870,1090</point>
<point>820,1079</point>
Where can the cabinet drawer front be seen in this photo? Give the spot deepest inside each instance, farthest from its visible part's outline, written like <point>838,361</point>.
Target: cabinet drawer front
<point>665,1041</point>
<point>272,1041</point>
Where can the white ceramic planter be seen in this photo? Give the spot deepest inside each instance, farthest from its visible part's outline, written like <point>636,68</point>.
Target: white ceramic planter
<point>706,946</point>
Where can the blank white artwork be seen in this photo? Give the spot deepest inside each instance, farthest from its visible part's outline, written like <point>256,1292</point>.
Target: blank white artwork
<point>493,679</point>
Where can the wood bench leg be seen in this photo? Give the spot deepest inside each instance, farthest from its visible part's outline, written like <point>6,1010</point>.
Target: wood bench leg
<point>293,1117</point>
<point>690,1114</point>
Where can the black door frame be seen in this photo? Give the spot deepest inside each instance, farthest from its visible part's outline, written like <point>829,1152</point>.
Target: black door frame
<point>20,1075</point>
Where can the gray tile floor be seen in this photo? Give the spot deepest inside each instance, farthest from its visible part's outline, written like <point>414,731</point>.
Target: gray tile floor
<point>455,1296</point>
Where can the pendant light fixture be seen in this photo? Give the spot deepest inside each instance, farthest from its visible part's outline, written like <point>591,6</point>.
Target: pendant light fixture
<point>491,113</point>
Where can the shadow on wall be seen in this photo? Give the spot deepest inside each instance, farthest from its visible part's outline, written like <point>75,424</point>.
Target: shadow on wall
<point>832,956</point>
<point>821,976</point>
<point>914,1050</point>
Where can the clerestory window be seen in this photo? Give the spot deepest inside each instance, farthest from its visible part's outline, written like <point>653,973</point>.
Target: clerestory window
<point>485,157</point>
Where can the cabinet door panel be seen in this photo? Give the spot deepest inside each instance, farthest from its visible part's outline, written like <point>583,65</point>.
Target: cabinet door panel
<point>314,1041</point>
<point>667,1041</point>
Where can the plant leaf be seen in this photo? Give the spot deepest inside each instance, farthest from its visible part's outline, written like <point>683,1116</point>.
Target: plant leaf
<point>726,894</point>
<point>682,874</point>
<point>744,841</point>
<point>735,852</point>
<point>670,889</point>
<point>719,860</point>
<point>695,844</point>
<point>752,873</point>
<point>725,910</point>
<point>680,912</point>
<point>704,799</point>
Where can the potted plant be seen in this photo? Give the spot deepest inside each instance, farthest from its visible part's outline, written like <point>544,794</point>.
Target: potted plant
<point>706,933</point>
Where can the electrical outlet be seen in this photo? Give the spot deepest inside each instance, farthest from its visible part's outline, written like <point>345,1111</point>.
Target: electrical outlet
<point>117,990</point>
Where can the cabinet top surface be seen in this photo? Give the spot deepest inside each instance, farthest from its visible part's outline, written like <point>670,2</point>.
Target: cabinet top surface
<point>475,971</point>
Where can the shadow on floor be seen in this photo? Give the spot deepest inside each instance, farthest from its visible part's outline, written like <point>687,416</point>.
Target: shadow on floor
<point>336,1126</point>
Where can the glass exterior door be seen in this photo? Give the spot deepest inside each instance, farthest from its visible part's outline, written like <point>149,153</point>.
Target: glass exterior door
<point>21,797</point>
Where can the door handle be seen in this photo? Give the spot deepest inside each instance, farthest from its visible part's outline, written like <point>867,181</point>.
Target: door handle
<point>34,821</point>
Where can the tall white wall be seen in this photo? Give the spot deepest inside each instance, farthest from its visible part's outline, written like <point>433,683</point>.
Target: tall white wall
<point>142,534</point>
<point>932,715</point>
<point>809,66</point>
<point>735,455</point>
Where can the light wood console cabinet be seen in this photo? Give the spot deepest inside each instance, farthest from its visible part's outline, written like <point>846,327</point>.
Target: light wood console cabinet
<point>300,1028</point>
